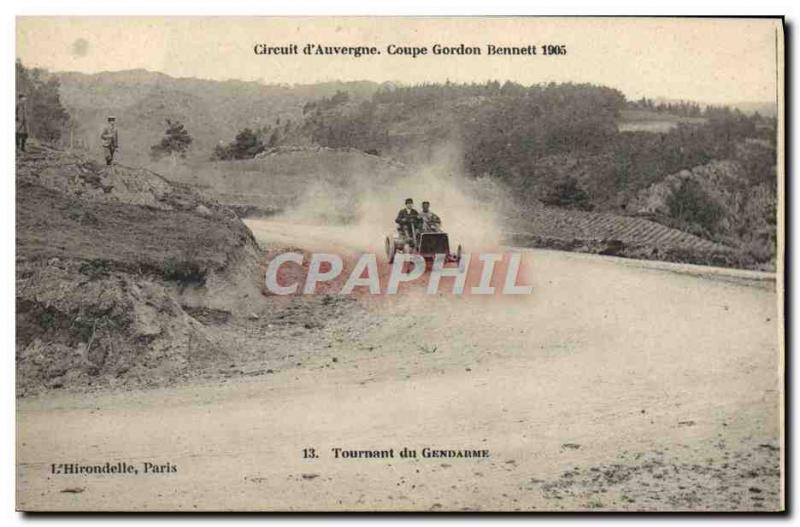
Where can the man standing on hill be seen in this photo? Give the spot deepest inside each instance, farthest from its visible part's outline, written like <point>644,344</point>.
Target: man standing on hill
<point>23,124</point>
<point>110,139</point>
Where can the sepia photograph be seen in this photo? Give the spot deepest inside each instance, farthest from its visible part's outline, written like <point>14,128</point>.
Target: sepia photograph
<point>399,264</point>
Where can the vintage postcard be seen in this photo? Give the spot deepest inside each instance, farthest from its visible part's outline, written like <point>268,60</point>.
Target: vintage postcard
<point>399,264</point>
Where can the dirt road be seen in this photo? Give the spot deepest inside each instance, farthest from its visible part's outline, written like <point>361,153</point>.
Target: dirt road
<point>617,385</point>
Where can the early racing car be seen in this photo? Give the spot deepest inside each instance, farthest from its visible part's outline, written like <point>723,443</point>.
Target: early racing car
<point>424,243</point>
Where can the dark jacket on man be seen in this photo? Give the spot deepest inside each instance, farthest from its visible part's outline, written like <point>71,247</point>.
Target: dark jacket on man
<point>406,217</point>
<point>110,138</point>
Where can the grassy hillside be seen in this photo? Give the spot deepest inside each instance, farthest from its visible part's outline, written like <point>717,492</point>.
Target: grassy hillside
<point>567,146</point>
<point>213,111</point>
<point>277,182</point>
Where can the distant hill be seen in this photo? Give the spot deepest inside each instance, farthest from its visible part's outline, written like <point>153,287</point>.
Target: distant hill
<point>764,108</point>
<point>571,146</point>
<point>767,109</point>
<point>213,111</point>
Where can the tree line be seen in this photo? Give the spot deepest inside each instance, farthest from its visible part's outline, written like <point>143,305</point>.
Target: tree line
<point>558,144</point>
<point>49,120</point>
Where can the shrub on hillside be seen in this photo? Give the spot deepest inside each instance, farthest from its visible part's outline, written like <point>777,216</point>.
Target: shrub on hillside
<point>247,145</point>
<point>176,141</point>
<point>690,205</point>
<point>758,160</point>
<point>567,192</point>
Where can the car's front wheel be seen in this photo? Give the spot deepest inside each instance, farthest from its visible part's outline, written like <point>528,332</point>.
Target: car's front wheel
<point>390,249</point>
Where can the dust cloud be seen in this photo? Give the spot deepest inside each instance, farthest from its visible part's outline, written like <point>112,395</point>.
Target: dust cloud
<point>366,203</point>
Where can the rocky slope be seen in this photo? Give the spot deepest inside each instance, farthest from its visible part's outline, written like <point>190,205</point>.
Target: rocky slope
<point>111,264</point>
<point>720,202</point>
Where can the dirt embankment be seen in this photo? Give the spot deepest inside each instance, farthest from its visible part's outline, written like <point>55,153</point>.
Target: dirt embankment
<point>610,234</point>
<point>126,278</point>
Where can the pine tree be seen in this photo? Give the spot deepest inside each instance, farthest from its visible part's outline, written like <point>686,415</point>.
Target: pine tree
<point>176,141</point>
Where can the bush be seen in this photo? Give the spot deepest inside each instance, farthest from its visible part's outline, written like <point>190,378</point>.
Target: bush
<point>693,207</point>
<point>183,272</point>
<point>95,269</point>
<point>247,145</point>
<point>567,192</point>
<point>176,141</point>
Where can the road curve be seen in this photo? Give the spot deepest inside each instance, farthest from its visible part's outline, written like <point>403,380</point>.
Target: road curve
<point>616,385</point>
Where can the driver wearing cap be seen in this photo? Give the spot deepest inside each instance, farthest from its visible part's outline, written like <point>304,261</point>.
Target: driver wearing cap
<point>406,218</point>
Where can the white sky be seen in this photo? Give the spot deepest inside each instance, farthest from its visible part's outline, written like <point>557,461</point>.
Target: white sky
<point>707,60</point>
